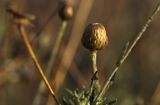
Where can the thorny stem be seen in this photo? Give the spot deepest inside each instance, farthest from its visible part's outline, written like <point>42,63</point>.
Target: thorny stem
<point>41,90</point>
<point>35,60</point>
<point>126,52</point>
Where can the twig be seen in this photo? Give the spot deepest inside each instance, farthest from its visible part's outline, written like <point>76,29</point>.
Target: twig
<point>42,89</point>
<point>35,60</point>
<point>126,52</point>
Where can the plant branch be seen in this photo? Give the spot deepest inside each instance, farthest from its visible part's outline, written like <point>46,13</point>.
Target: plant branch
<point>127,51</point>
<point>35,60</point>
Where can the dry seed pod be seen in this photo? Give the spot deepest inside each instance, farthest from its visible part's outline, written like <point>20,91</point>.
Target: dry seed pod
<point>94,37</point>
<point>66,12</point>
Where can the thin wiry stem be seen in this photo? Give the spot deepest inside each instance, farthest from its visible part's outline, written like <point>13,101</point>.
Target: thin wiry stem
<point>127,51</point>
<point>56,47</point>
<point>41,90</point>
<point>35,60</point>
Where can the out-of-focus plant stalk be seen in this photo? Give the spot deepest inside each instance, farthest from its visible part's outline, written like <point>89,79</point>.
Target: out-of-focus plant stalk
<point>56,47</point>
<point>42,90</point>
<point>65,13</point>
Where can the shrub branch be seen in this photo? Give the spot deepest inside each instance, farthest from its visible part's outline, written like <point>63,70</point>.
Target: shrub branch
<point>126,52</point>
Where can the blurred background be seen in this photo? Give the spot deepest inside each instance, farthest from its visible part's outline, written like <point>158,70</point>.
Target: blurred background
<point>138,79</point>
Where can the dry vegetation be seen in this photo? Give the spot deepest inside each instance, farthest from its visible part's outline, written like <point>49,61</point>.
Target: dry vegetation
<point>136,83</point>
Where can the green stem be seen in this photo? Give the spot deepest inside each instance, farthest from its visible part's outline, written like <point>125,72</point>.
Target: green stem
<point>94,61</point>
<point>127,51</point>
<point>95,86</point>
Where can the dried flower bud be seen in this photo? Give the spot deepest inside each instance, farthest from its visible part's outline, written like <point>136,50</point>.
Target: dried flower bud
<point>66,12</point>
<point>94,37</point>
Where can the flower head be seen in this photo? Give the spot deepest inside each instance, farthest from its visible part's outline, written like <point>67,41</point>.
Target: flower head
<point>95,37</point>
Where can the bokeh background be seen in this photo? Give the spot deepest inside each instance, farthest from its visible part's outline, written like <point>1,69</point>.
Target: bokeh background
<point>136,83</point>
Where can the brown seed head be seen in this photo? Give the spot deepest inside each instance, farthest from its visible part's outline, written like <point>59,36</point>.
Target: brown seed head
<point>66,12</point>
<point>94,37</point>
